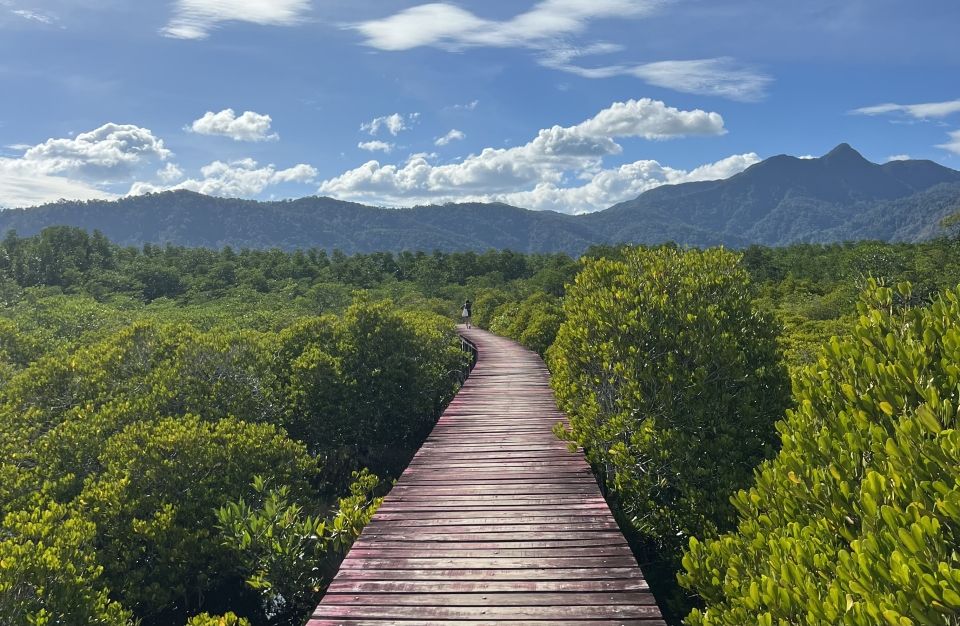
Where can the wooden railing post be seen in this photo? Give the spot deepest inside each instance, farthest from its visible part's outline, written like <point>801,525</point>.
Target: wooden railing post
<point>468,346</point>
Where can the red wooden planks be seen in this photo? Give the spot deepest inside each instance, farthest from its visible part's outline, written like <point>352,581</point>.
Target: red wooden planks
<point>494,522</point>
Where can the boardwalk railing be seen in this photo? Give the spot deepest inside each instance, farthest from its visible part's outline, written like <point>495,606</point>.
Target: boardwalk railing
<point>495,521</point>
<point>467,346</point>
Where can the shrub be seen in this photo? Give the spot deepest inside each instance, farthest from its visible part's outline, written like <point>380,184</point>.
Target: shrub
<point>286,554</point>
<point>154,504</point>
<point>534,322</point>
<point>672,382</point>
<point>368,386</point>
<point>227,619</point>
<point>857,519</point>
<point>49,572</point>
<point>485,304</point>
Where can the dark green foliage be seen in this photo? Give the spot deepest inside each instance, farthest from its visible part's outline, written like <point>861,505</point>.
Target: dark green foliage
<point>313,280</point>
<point>951,224</point>
<point>672,382</point>
<point>154,504</point>
<point>857,519</point>
<point>284,553</point>
<point>365,388</point>
<point>58,257</point>
<point>813,289</point>
<point>190,219</point>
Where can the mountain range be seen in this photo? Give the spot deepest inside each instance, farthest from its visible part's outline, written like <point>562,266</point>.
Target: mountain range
<point>781,200</point>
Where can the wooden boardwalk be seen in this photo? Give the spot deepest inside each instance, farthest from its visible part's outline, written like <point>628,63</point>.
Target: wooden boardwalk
<point>494,521</point>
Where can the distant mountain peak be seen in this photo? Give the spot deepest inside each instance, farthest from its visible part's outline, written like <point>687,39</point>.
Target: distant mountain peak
<point>785,199</point>
<point>843,152</point>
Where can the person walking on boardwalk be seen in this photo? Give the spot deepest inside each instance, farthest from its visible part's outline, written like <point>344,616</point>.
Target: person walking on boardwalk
<point>465,312</point>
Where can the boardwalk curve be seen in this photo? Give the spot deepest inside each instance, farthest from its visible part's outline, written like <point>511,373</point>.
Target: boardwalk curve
<point>494,521</point>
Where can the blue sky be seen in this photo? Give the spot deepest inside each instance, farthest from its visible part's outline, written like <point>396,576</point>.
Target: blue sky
<point>568,105</point>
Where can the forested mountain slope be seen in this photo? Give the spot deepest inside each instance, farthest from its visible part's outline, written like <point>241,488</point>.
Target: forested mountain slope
<point>782,200</point>
<point>192,219</point>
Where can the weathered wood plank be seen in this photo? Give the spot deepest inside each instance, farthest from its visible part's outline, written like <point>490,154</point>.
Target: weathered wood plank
<point>326,610</point>
<point>390,549</point>
<point>583,598</point>
<point>495,521</point>
<point>488,586</point>
<point>482,622</point>
<point>562,544</point>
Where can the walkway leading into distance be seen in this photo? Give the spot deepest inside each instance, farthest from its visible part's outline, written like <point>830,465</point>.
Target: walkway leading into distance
<point>495,521</point>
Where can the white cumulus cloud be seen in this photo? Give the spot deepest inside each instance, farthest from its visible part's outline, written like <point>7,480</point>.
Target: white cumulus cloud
<point>393,123</point>
<point>249,126</point>
<point>171,173</point>
<point>376,145</point>
<point>453,135</point>
<point>95,164</point>
<point>544,162</point>
<point>650,119</point>
<point>241,178</point>
<point>610,186</point>
<point>81,167</point>
<point>898,157</point>
<point>109,153</point>
<point>194,19</point>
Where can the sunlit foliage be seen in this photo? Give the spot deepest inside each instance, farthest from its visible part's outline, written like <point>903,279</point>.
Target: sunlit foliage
<point>857,519</point>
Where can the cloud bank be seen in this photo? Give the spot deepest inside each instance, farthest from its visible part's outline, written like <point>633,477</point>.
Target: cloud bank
<point>97,163</point>
<point>22,185</point>
<point>536,174</point>
<point>561,168</point>
<point>241,178</point>
<point>610,186</point>
<point>79,167</point>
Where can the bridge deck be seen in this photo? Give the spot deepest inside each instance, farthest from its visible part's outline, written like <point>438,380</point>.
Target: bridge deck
<point>494,521</point>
